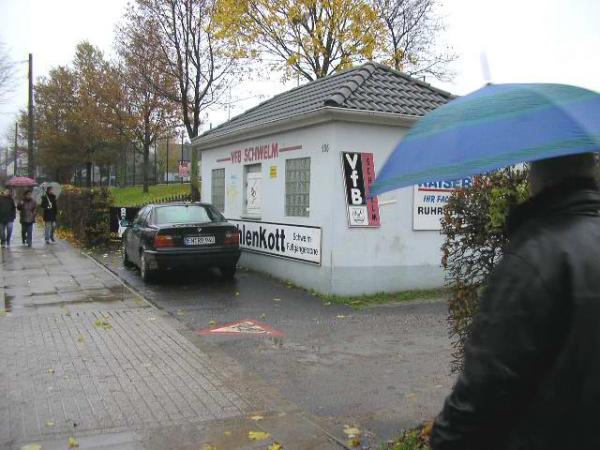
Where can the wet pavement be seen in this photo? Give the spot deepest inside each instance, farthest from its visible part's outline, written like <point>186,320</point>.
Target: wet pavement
<point>382,369</point>
<point>86,357</point>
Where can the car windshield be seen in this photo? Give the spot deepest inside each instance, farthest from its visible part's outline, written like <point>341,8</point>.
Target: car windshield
<point>186,214</point>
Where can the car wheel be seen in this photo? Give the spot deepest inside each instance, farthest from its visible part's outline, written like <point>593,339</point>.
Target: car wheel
<point>228,272</point>
<point>146,273</point>
<point>126,261</point>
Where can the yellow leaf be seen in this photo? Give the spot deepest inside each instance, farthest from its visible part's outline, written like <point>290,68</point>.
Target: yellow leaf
<point>208,447</point>
<point>354,442</point>
<point>258,435</point>
<point>31,447</point>
<point>351,431</point>
<point>237,293</point>
<point>257,417</point>
<point>212,323</point>
<point>50,370</point>
<point>103,323</point>
<point>426,431</point>
<point>80,338</point>
<point>227,433</point>
<point>263,316</point>
<point>49,424</point>
<point>275,446</point>
<point>73,443</point>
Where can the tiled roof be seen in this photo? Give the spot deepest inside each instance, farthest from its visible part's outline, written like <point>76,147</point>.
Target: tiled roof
<point>370,87</point>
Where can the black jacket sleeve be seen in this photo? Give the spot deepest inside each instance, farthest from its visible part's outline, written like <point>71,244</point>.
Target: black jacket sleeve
<point>44,204</point>
<point>513,341</point>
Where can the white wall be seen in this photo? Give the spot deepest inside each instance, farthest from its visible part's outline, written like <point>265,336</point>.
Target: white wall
<point>354,261</point>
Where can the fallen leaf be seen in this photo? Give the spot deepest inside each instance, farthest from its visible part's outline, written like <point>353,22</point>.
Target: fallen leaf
<point>208,447</point>
<point>31,447</point>
<point>212,323</point>
<point>80,338</point>
<point>49,424</point>
<point>282,414</point>
<point>327,303</point>
<point>227,433</point>
<point>426,431</point>
<point>351,431</point>
<point>180,312</point>
<point>152,318</point>
<point>103,323</point>
<point>354,442</point>
<point>411,396</point>
<point>276,299</point>
<point>50,370</point>
<point>105,255</point>
<point>275,446</point>
<point>257,417</point>
<point>258,435</point>
<point>73,443</point>
<point>2,312</point>
<point>341,316</point>
<point>263,316</point>
<point>237,293</point>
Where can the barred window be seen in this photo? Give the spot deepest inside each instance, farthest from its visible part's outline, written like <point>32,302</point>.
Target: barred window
<point>218,189</point>
<point>297,187</point>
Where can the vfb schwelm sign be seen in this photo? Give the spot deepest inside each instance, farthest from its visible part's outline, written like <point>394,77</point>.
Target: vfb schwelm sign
<point>299,242</point>
<point>429,200</point>
<point>359,175</point>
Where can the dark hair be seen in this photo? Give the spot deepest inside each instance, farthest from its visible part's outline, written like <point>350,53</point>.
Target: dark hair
<point>48,189</point>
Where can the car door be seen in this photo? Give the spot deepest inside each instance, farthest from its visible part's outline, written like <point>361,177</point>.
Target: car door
<point>135,233</point>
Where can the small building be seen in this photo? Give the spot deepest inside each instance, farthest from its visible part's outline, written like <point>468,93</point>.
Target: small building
<point>293,173</point>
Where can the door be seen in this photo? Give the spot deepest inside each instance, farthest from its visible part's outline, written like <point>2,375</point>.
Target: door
<point>254,190</point>
<point>135,233</point>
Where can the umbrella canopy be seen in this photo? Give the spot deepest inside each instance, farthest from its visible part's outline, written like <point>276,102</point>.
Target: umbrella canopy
<point>21,182</point>
<point>496,126</point>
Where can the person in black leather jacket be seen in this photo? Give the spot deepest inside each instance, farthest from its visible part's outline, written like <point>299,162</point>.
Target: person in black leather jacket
<point>531,377</point>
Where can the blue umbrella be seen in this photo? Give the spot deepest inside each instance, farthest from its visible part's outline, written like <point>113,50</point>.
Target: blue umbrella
<point>495,126</point>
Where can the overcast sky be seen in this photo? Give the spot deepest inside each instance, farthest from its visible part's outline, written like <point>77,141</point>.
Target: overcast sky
<point>523,40</point>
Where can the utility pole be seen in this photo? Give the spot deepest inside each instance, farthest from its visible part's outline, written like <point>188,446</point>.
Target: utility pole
<point>30,162</point>
<point>181,156</point>
<point>167,159</point>
<point>155,164</point>
<point>16,146</point>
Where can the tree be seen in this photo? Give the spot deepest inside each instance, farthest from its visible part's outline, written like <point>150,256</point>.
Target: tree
<point>475,237</point>
<point>6,73</point>
<point>146,112</point>
<point>189,53</point>
<point>412,29</point>
<point>56,118</point>
<point>95,135</point>
<point>311,38</point>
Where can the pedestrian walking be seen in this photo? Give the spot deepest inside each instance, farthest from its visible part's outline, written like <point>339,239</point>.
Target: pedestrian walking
<point>27,208</point>
<point>50,209</point>
<point>531,377</point>
<point>8,212</point>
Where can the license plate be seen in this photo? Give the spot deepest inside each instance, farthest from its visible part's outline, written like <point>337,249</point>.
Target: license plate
<point>199,240</point>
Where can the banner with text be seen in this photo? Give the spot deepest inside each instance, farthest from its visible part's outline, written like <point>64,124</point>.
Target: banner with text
<point>429,200</point>
<point>298,242</point>
<point>359,174</point>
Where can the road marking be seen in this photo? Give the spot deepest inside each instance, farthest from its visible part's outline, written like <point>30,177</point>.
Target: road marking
<point>247,326</point>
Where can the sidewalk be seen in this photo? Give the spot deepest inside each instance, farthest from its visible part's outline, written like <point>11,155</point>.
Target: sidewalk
<point>84,356</point>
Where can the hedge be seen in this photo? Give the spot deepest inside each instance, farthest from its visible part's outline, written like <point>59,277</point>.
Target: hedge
<point>86,213</point>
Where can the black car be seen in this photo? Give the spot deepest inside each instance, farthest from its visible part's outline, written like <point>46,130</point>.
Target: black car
<point>179,236</point>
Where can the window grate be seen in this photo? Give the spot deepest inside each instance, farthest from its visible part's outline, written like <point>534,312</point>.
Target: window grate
<point>297,187</point>
<point>218,189</point>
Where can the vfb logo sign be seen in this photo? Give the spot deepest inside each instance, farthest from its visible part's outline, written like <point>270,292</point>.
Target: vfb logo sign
<point>359,175</point>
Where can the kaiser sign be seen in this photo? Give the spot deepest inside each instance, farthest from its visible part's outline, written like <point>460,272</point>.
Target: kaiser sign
<point>429,200</point>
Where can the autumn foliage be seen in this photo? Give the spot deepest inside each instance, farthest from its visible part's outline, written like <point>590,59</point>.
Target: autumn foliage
<point>474,229</point>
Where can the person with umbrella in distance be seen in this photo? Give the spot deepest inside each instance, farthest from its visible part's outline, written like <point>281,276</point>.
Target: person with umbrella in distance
<point>8,212</point>
<point>27,207</point>
<point>50,209</point>
<point>531,373</point>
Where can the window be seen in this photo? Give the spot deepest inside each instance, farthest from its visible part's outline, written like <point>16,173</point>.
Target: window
<point>186,214</point>
<point>141,216</point>
<point>297,187</point>
<point>218,189</point>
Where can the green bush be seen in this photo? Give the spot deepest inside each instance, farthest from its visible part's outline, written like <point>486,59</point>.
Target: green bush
<point>85,212</point>
<point>474,229</point>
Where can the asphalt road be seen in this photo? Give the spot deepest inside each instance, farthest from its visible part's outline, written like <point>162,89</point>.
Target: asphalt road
<point>382,369</point>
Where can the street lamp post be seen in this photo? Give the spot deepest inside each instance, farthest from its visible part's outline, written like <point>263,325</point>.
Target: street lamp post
<point>181,156</point>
